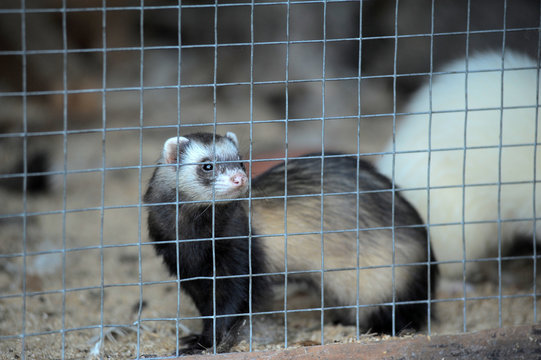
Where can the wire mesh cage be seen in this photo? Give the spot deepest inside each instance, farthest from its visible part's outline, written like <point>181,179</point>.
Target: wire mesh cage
<point>441,97</point>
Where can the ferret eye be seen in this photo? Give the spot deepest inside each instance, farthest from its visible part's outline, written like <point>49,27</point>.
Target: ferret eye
<point>207,167</point>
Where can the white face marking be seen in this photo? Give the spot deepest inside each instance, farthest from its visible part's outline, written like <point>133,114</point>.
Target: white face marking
<point>196,153</point>
<point>225,188</point>
<point>225,150</point>
<point>222,188</point>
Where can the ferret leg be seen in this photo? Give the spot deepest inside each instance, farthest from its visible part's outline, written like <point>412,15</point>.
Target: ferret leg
<point>229,301</point>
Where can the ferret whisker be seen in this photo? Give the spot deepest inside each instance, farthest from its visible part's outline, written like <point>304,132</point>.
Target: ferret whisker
<point>203,211</point>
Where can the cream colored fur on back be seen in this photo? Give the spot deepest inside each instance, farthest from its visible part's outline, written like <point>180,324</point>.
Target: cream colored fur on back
<point>484,90</point>
<point>339,249</point>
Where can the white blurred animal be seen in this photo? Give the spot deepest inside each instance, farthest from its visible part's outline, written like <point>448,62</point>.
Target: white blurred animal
<point>499,196</point>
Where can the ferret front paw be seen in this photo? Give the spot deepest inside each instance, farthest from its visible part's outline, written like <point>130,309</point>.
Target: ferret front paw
<point>190,345</point>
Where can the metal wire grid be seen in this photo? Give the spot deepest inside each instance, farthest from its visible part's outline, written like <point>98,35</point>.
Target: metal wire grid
<point>141,127</point>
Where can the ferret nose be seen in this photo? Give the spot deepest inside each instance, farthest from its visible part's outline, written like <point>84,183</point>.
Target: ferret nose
<point>239,179</point>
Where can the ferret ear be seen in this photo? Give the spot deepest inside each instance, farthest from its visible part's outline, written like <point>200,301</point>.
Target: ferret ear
<point>170,148</point>
<point>232,137</point>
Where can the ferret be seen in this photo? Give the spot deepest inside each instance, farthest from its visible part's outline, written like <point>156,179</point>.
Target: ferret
<point>200,191</point>
<point>484,167</point>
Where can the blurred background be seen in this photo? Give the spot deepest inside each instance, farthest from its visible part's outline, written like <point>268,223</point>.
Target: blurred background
<point>90,90</point>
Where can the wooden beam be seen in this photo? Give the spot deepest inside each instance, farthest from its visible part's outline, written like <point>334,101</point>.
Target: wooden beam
<point>519,342</point>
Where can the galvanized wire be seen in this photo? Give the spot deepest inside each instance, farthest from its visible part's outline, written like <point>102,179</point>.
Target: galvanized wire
<point>25,179</point>
<point>25,134</point>
<point>467,51</point>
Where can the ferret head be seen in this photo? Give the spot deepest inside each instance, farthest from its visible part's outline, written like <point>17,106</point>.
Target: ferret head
<point>207,170</point>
